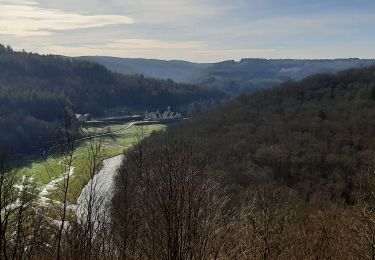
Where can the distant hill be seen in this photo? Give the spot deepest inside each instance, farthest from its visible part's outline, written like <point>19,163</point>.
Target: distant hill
<point>251,75</point>
<point>246,76</point>
<point>34,89</point>
<point>179,71</point>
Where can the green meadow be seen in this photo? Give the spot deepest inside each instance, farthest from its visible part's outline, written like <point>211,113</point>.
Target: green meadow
<point>52,169</point>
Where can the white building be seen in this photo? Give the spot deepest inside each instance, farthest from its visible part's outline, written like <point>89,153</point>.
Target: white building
<point>166,115</point>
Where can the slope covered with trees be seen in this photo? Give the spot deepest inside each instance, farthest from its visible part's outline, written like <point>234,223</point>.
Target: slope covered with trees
<point>312,135</point>
<point>34,90</point>
<point>286,173</point>
<point>179,71</point>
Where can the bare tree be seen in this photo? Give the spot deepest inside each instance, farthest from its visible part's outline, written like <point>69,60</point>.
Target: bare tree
<point>93,216</point>
<point>7,200</point>
<point>17,202</point>
<point>23,217</point>
<point>67,146</point>
<point>125,216</point>
<point>320,234</point>
<point>174,210</point>
<point>264,222</point>
<point>363,222</point>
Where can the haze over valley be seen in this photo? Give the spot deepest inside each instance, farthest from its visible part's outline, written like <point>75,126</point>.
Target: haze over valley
<point>244,76</point>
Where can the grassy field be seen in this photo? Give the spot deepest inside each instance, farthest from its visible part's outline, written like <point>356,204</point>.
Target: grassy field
<point>52,169</point>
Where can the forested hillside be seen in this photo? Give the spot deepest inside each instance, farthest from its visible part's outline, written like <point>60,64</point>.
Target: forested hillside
<point>312,135</point>
<point>245,76</point>
<point>252,75</point>
<point>34,90</point>
<point>179,71</point>
<point>285,173</point>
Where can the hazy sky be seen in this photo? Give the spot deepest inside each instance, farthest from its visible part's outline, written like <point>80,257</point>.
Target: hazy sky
<point>195,30</point>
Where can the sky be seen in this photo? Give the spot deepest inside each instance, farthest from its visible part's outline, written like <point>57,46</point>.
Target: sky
<point>192,30</point>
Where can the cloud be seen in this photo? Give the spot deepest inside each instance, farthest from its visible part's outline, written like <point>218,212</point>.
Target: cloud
<point>129,47</point>
<point>27,19</point>
<point>179,12</point>
<point>198,30</point>
<point>18,2</point>
<point>150,44</point>
<point>281,31</point>
<point>156,49</point>
<point>150,12</point>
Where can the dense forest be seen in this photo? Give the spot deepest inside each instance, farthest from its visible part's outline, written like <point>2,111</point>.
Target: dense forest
<point>312,135</point>
<point>34,89</point>
<point>286,173</point>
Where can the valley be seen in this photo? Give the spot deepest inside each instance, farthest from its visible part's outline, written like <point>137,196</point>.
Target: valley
<point>48,175</point>
<point>187,130</point>
<point>289,163</point>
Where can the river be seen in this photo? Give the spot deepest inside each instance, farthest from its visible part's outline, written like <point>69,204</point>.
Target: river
<point>102,187</point>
